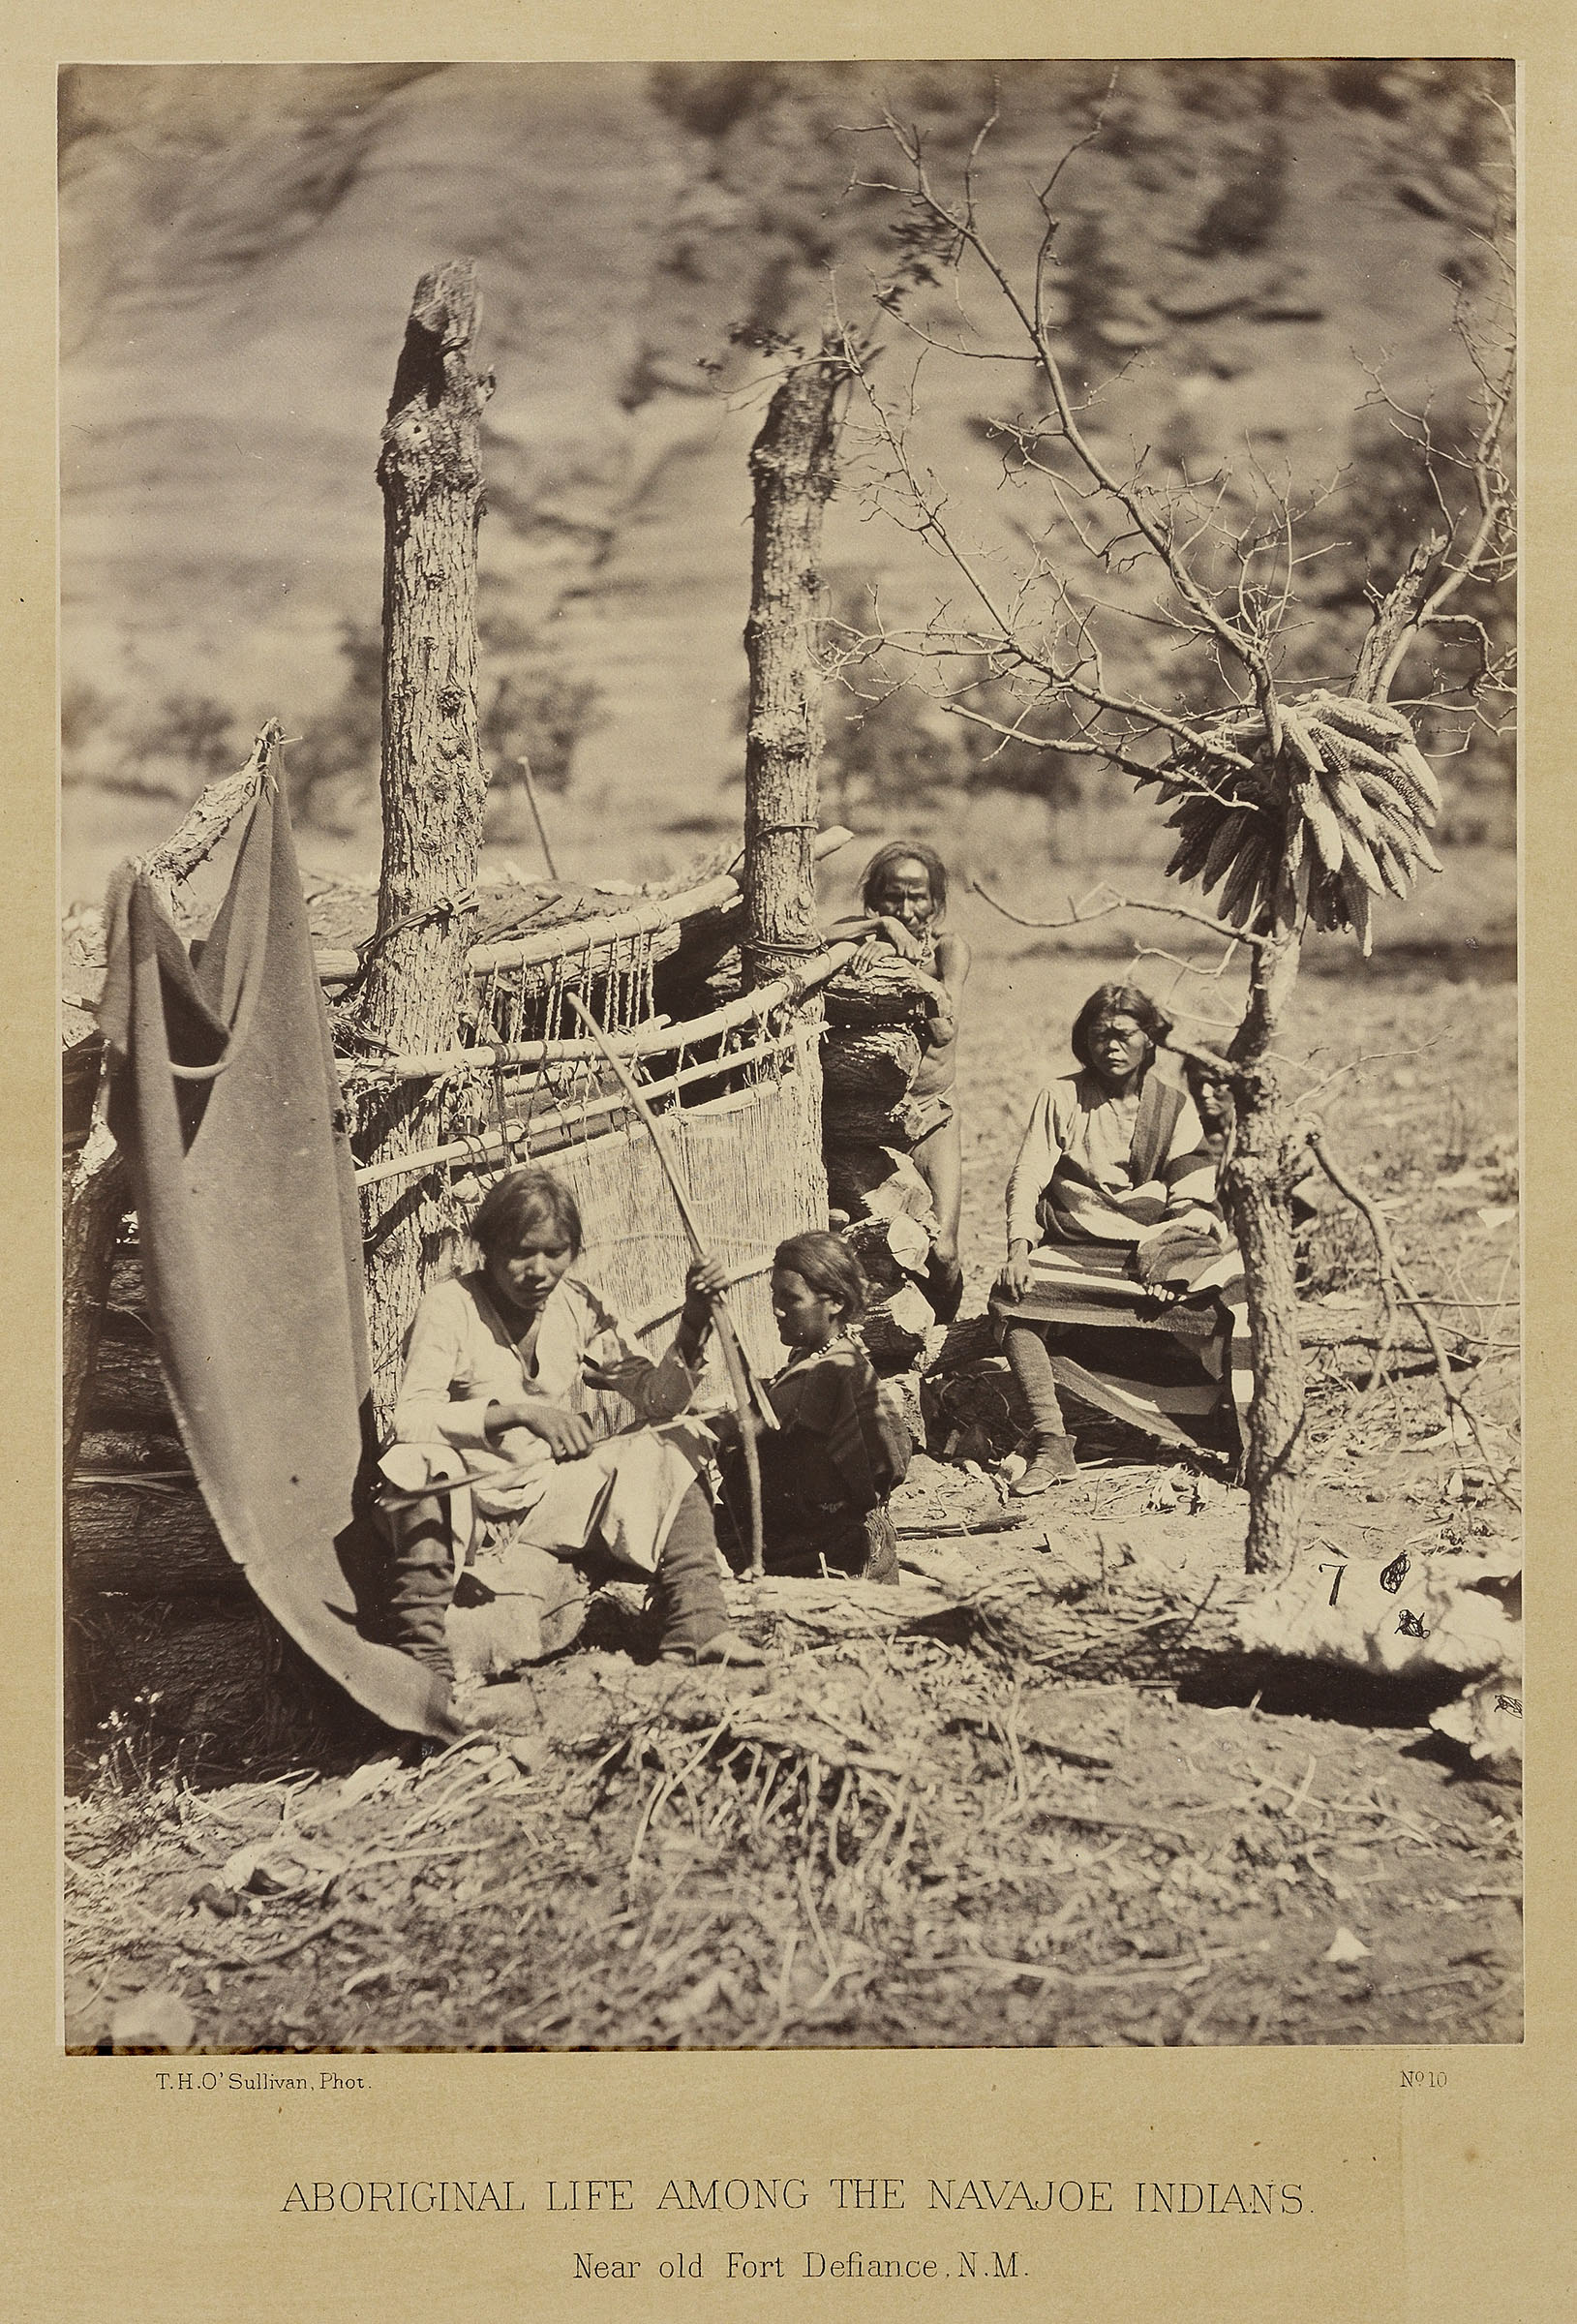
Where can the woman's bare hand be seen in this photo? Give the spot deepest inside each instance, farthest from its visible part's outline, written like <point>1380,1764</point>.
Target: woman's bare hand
<point>705,1280</point>
<point>568,1435</point>
<point>1014,1280</point>
<point>882,933</point>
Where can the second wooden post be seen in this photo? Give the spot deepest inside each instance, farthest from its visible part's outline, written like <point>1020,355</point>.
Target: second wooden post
<point>792,469</point>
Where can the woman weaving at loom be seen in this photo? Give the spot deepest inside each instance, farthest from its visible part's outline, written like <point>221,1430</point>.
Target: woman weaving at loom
<point>1113,1175</point>
<point>493,1446</point>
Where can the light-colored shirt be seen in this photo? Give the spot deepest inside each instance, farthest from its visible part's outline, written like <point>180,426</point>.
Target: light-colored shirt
<point>460,1359</point>
<point>1074,1120</point>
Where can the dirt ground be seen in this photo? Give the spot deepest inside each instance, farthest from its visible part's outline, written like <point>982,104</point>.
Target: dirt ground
<point>1039,1799</point>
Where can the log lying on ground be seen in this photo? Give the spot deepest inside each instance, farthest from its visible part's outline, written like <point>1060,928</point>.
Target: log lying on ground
<point>1086,1602</point>
<point>894,1329</point>
<point>873,1181</point>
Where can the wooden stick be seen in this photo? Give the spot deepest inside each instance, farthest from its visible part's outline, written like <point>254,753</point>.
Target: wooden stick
<point>1391,1268</point>
<point>566,939</point>
<point>656,1038</point>
<point>745,1405</point>
<point>649,1318</point>
<point>206,821</point>
<point>524,766</point>
<point>484,1145</point>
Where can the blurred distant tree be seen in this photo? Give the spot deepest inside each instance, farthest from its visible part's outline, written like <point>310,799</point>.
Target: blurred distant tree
<point>882,759</point>
<point>532,707</point>
<point>537,710</point>
<point>708,99</point>
<point>1020,763</point>
<point>886,753</point>
<point>193,732</point>
<point>84,713</point>
<point>332,770</point>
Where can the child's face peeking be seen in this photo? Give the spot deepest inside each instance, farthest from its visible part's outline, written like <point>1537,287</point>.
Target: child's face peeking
<point>903,892</point>
<point>806,1318</point>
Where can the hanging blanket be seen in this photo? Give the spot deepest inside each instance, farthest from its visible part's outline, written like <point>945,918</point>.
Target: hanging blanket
<point>225,1098</point>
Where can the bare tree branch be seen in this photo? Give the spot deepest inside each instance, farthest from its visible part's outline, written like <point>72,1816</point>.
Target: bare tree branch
<point>1117,903</point>
<point>1394,1274</point>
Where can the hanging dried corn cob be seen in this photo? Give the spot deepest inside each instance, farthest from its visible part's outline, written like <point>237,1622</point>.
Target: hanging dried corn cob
<point>1334,818</point>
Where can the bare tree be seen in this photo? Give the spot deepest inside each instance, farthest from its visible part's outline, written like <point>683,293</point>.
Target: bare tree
<point>433,785</point>
<point>792,467</point>
<point>1300,805</point>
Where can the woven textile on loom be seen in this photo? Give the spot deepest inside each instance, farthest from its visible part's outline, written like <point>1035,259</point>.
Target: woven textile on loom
<point>752,1165</point>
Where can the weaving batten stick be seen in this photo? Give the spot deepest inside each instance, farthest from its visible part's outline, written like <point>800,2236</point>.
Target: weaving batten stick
<point>524,766</point>
<point>746,1403</point>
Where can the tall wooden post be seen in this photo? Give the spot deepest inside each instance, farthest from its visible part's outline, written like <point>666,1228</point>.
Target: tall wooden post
<point>1255,1187</point>
<point>432,781</point>
<point>792,469</point>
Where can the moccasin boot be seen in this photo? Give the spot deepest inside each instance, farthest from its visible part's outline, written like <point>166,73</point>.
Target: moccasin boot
<point>1050,1462</point>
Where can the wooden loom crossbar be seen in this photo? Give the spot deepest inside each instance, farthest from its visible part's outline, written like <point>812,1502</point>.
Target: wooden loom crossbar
<point>568,938</point>
<point>660,1038</point>
<point>489,1144</point>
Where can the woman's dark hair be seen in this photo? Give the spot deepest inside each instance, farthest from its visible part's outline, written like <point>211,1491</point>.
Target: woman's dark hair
<point>1118,1000</point>
<point>905,852</point>
<point>827,1265</point>
<point>520,1199</point>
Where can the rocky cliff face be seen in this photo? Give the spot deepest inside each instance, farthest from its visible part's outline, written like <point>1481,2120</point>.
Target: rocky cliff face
<point>240,244</point>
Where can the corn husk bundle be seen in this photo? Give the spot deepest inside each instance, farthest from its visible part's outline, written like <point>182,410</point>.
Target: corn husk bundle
<point>1339,815</point>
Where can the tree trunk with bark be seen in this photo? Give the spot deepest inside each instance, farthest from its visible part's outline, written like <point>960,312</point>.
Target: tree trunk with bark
<point>793,471</point>
<point>1255,1186</point>
<point>1267,1145</point>
<point>433,780</point>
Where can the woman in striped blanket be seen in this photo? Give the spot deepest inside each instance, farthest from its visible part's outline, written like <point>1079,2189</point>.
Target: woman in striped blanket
<point>1114,1165</point>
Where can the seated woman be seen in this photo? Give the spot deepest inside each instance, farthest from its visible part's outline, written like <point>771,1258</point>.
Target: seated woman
<point>491,1415</point>
<point>1114,1163</point>
<point>839,1451</point>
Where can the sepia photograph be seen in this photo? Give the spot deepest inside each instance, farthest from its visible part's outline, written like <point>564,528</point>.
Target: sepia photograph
<point>789,1030</point>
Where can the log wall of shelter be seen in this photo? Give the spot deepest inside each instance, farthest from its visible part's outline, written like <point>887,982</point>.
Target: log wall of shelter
<point>160,1625</point>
